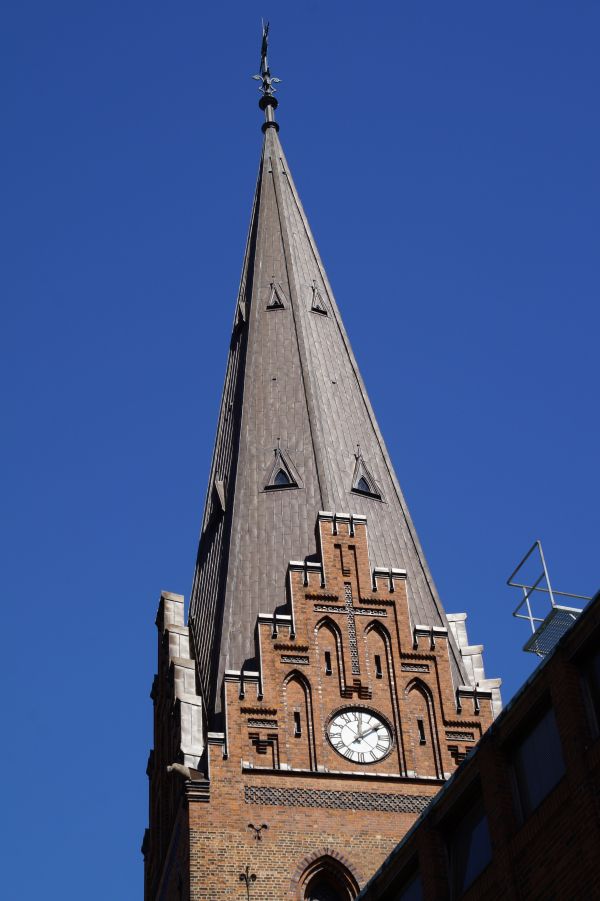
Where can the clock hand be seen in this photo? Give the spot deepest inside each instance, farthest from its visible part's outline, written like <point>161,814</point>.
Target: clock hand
<point>358,733</point>
<point>368,732</point>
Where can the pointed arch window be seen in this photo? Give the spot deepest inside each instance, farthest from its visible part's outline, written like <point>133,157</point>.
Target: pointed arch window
<point>276,298</point>
<point>281,473</point>
<point>318,304</point>
<point>363,482</point>
<point>219,487</point>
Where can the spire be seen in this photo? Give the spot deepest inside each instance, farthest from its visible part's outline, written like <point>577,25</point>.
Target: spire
<point>293,385</point>
<point>268,102</point>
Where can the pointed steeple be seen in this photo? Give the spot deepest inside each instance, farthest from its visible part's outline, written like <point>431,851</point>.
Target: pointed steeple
<point>292,383</point>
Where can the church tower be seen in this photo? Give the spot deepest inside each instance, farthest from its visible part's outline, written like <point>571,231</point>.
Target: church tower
<point>320,695</point>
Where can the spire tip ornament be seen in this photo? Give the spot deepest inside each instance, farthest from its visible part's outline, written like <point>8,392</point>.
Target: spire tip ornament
<point>268,101</point>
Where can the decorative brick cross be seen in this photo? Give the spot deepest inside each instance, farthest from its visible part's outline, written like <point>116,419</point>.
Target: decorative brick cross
<point>351,612</point>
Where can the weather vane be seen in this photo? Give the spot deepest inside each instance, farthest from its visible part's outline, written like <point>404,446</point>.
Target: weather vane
<point>265,77</point>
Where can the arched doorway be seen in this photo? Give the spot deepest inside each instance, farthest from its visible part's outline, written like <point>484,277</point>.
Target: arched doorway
<point>322,890</point>
<point>327,879</point>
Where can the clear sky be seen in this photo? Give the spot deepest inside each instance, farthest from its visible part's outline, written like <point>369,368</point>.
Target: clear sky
<point>447,156</point>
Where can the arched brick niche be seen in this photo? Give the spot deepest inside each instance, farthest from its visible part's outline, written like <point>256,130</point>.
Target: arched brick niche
<point>297,699</point>
<point>424,756</point>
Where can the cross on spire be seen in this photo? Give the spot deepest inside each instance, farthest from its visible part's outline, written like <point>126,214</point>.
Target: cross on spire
<point>268,102</point>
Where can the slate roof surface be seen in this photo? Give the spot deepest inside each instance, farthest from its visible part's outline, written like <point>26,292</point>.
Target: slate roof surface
<point>292,382</point>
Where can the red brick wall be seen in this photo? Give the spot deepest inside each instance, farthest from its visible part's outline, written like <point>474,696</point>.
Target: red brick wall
<point>314,802</point>
<point>262,751</point>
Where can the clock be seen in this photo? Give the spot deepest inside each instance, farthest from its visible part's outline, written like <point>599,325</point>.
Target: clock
<point>359,735</point>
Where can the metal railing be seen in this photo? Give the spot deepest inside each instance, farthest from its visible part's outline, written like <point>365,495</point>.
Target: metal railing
<point>546,630</point>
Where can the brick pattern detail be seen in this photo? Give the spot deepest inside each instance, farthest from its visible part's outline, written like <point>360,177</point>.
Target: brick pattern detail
<point>289,646</point>
<point>354,661</point>
<point>456,753</point>
<point>369,611</point>
<point>460,736</point>
<point>351,800</point>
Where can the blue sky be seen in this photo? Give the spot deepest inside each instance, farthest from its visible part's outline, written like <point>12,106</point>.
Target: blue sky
<point>447,158</point>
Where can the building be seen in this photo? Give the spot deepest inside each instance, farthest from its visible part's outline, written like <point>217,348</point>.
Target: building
<point>320,695</point>
<point>520,819</point>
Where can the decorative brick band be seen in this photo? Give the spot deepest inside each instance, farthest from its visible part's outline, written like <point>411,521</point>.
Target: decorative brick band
<point>414,668</point>
<point>359,611</point>
<point>379,601</point>
<point>307,797</point>
<point>291,646</point>
<point>265,724</point>
<point>460,736</point>
<point>294,658</point>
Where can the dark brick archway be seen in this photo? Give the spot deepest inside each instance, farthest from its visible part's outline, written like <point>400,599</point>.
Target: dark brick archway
<point>326,862</point>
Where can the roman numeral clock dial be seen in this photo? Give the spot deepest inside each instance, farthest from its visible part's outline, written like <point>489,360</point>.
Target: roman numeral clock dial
<point>359,735</point>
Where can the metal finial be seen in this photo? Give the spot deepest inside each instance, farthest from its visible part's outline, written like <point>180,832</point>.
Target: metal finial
<point>267,80</point>
<point>264,47</point>
<point>248,878</point>
<point>268,101</point>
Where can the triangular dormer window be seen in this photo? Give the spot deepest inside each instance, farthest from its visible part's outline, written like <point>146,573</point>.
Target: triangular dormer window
<point>276,298</point>
<point>363,482</point>
<point>219,487</point>
<point>241,312</point>
<point>318,304</point>
<point>282,473</point>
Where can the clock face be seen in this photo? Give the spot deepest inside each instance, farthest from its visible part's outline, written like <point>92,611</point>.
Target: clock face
<point>359,736</point>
